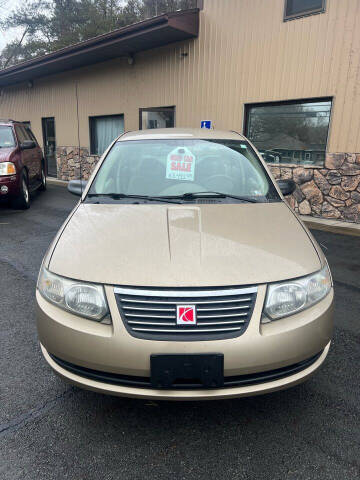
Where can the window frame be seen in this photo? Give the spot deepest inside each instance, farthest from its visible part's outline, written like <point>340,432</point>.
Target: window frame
<point>248,106</point>
<point>91,129</point>
<point>156,109</point>
<point>308,13</point>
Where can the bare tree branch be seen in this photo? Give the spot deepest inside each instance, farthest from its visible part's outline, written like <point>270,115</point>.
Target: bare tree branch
<point>16,48</point>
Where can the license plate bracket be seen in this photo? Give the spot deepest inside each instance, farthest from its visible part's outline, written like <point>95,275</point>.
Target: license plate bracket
<point>169,371</point>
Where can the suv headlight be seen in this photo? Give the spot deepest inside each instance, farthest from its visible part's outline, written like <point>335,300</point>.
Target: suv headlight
<point>84,299</point>
<point>286,298</point>
<point>7,168</point>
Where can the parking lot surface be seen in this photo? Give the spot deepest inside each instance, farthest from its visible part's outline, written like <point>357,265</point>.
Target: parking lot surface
<point>50,430</point>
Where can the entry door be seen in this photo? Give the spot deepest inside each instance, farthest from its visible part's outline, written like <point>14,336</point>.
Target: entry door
<point>48,127</point>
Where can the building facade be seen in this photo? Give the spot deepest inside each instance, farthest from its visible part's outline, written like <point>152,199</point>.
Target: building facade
<point>284,72</point>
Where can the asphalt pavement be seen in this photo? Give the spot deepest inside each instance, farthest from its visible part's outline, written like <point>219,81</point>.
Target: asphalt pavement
<point>50,430</point>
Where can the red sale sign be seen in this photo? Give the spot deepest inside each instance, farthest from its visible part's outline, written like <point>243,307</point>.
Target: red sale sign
<point>180,164</point>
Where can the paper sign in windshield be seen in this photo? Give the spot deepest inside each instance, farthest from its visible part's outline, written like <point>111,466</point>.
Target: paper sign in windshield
<point>180,164</point>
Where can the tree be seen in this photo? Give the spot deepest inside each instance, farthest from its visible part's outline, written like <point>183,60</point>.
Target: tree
<point>48,25</point>
<point>152,8</point>
<point>32,19</point>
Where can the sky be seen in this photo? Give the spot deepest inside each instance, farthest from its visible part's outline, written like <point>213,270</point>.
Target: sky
<point>7,36</point>
<point>5,7</point>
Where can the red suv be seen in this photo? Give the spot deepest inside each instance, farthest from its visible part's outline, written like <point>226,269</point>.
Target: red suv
<point>22,164</point>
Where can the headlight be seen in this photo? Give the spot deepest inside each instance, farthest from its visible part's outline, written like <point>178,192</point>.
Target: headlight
<point>86,300</point>
<point>286,298</point>
<point>7,168</point>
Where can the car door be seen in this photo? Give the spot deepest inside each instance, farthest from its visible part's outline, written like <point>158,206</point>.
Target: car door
<point>37,156</point>
<point>27,155</point>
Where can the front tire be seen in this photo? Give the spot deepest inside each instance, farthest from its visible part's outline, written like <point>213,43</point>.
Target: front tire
<point>22,202</point>
<point>42,187</point>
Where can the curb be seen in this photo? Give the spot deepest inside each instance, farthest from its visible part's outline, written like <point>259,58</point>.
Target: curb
<point>55,181</point>
<point>333,226</point>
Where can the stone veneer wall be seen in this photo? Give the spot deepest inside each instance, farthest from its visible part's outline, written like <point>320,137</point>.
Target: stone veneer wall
<point>331,191</point>
<point>68,163</point>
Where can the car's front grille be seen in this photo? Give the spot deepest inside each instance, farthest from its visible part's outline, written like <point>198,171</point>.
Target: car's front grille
<point>151,313</point>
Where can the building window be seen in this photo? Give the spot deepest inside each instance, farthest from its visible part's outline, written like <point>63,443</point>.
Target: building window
<point>158,117</point>
<point>103,130</point>
<point>302,8</point>
<point>293,132</point>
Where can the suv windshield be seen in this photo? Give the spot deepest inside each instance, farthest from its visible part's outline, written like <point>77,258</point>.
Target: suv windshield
<point>178,168</point>
<point>7,139</point>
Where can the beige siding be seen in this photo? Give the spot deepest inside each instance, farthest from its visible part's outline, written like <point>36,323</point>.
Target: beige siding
<point>245,53</point>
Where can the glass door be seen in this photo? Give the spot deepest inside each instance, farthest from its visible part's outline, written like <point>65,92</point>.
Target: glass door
<point>48,127</point>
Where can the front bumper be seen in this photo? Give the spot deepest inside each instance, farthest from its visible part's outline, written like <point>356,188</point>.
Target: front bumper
<point>218,394</point>
<point>110,348</point>
<point>11,182</point>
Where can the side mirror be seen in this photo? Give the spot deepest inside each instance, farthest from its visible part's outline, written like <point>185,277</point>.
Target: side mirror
<point>287,187</point>
<point>76,187</point>
<point>27,145</point>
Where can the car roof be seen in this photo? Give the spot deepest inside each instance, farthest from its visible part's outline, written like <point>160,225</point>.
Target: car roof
<point>9,121</point>
<point>181,133</point>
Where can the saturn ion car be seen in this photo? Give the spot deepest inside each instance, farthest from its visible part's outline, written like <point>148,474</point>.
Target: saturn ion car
<point>183,274</point>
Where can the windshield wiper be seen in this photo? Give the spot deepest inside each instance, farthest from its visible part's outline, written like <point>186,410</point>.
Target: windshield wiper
<point>119,196</point>
<point>211,194</point>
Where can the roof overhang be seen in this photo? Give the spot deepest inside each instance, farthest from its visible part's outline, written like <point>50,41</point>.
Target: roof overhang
<point>152,33</point>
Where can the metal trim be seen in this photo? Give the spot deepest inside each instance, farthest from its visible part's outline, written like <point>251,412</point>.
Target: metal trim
<point>234,315</point>
<point>184,293</point>
<point>130,300</point>
<point>191,330</point>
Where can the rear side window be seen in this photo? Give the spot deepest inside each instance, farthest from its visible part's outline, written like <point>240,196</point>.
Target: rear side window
<point>7,139</point>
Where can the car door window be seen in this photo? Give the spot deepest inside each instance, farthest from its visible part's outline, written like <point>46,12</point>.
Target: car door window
<point>21,134</point>
<point>30,134</point>
<point>26,133</point>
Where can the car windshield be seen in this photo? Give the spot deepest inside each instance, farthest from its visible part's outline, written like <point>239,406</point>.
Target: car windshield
<point>6,137</point>
<point>176,168</point>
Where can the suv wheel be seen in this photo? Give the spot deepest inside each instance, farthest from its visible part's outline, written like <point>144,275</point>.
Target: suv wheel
<point>42,187</point>
<point>23,200</point>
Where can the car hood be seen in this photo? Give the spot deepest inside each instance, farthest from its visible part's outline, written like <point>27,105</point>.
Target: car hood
<point>185,245</point>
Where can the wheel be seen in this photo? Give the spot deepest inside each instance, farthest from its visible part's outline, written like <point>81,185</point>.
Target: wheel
<point>23,200</point>
<point>42,187</point>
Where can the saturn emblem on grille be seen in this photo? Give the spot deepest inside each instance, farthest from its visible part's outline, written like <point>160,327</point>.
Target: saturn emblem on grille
<point>186,315</point>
